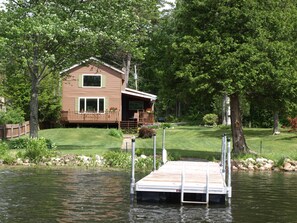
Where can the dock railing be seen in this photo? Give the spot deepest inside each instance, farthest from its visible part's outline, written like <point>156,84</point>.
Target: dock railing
<point>226,163</point>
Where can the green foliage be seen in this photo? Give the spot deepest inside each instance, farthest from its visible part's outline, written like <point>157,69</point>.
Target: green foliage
<point>19,143</point>
<point>116,133</point>
<point>4,153</point>
<point>12,116</point>
<point>117,159</point>
<point>145,132</point>
<point>37,150</point>
<point>121,159</point>
<point>210,119</point>
<point>3,148</point>
<point>165,125</point>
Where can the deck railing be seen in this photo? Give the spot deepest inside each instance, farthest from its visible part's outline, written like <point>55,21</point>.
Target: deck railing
<point>76,117</point>
<point>145,117</point>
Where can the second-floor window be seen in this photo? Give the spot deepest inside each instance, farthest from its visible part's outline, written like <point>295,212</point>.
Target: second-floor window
<point>92,80</point>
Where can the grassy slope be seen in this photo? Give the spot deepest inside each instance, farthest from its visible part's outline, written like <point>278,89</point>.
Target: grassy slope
<point>206,142</point>
<point>187,141</point>
<point>86,141</point>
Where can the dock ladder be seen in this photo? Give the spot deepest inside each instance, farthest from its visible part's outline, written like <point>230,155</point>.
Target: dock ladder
<point>183,201</point>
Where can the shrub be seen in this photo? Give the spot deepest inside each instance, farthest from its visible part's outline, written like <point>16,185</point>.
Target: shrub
<point>165,125</point>
<point>12,116</point>
<point>37,150</point>
<point>293,123</point>
<point>210,119</point>
<point>4,154</point>
<point>115,133</point>
<point>145,132</point>
<point>117,159</point>
<point>3,148</point>
<point>20,143</point>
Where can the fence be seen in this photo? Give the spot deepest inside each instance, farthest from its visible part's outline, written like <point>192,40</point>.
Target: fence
<point>10,131</point>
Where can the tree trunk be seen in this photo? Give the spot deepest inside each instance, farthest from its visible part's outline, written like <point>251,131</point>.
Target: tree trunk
<point>226,110</point>
<point>127,64</point>
<point>34,107</point>
<point>239,143</point>
<point>276,123</point>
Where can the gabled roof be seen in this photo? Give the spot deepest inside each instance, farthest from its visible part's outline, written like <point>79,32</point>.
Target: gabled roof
<point>140,94</point>
<point>92,59</point>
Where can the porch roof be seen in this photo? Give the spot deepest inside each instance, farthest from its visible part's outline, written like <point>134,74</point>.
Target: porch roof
<point>141,94</point>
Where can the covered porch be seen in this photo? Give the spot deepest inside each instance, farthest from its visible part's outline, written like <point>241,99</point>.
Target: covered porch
<point>138,107</point>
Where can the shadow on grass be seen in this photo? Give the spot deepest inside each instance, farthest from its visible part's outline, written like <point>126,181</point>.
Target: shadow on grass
<point>288,138</point>
<point>81,147</point>
<point>178,154</point>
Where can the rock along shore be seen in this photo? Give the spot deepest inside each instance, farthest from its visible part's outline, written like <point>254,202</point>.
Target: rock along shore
<point>65,160</point>
<point>263,164</point>
<point>249,164</point>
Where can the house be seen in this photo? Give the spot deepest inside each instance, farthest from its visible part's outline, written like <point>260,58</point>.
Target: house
<point>94,92</point>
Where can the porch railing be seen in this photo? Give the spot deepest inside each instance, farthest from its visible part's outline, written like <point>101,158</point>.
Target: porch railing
<point>76,117</point>
<point>144,117</point>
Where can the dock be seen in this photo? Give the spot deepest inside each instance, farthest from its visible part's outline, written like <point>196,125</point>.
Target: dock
<point>185,181</point>
<point>195,182</point>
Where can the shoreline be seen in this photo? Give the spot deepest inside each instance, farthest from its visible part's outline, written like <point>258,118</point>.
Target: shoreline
<point>70,160</point>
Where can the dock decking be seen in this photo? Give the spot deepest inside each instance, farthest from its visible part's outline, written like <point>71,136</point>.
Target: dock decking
<point>190,181</point>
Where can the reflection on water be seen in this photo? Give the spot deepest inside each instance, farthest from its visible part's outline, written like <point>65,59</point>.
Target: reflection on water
<point>81,195</point>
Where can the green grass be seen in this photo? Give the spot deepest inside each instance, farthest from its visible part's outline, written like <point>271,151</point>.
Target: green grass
<point>201,142</point>
<point>183,141</point>
<point>86,141</point>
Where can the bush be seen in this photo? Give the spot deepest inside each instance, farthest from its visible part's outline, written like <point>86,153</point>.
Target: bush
<point>115,133</point>
<point>12,116</point>
<point>210,119</point>
<point>20,143</point>
<point>37,150</point>
<point>293,123</point>
<point>3,148</point>
<point>145,132</point>
<point>4,154</point>
<point>117,159</point>
<point>165,125</point>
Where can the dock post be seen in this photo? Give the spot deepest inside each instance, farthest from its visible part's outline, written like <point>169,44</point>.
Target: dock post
<point>132,185</point>
<point>229,170</point>
<point>155,150</point>
<point>164,152</point>
<point>223,158</point>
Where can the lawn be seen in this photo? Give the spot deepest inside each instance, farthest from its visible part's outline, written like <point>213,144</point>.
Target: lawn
<point>184,141</point>
<point>202,142</point>
<point>86,141</point>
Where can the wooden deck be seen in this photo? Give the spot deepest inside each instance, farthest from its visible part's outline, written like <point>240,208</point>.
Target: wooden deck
<point>195,178</point>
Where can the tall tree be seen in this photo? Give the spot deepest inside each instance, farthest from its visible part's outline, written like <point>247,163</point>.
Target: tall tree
<point>234,46</point>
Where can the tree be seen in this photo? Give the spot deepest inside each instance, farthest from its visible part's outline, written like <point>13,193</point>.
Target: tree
<point>40,37</point>
<point>234,47</point>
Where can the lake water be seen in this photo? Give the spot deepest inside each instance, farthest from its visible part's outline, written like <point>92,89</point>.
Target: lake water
<point>93,195</point>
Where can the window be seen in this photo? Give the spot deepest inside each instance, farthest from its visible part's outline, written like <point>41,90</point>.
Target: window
<point>92,80</point>
<point>91,105</point>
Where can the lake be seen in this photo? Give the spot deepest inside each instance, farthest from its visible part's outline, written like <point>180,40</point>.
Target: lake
<point>94,195</point>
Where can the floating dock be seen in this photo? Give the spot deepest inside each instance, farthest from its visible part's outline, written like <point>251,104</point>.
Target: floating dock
<point>187,181</point>
<point>197,182</point>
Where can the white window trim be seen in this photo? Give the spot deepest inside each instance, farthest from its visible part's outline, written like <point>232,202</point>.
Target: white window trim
<point>98,98</point>
<point>82,81</point>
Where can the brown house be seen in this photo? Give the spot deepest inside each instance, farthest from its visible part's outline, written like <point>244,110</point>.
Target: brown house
<point>94,92</point>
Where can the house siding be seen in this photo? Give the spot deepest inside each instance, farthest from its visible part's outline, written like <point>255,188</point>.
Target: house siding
<point>110,90</point>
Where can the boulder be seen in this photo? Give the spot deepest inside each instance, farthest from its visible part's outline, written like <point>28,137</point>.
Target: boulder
<point>287,166</point>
